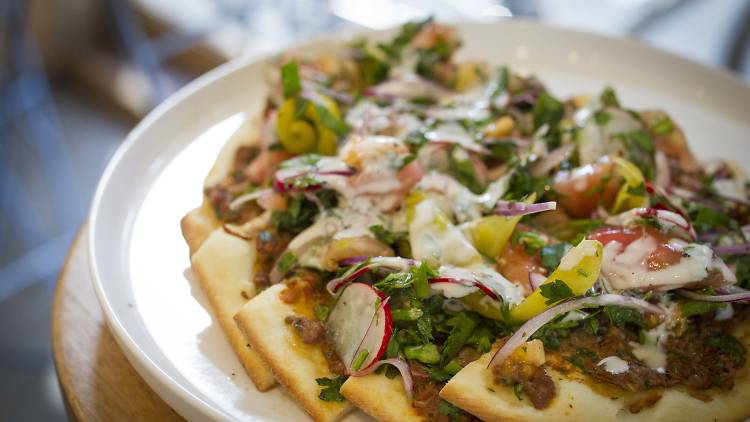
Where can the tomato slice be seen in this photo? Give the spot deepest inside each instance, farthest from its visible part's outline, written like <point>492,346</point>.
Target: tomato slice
<point>515,264</point>
<point>582,190</point>
<point>661,257</point>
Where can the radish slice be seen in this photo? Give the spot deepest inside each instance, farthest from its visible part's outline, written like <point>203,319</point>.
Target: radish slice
<point>360,325</point>
<point>400,364</point>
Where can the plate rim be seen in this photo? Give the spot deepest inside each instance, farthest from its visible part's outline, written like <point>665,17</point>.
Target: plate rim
<point>169,389</point>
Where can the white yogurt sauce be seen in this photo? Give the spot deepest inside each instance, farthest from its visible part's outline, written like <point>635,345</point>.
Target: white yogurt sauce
<point>614,365</point>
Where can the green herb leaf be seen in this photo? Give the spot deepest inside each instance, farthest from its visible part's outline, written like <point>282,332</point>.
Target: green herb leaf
<point>696,307</point>
<point>601,117</point>
<point>290,79</point>
<point>464,326</point>
<point>463,170</point>
<point>331,387</point>
<point>547,110</point>
<point>322,311</point>
<point>286,261</point>
<point>620,316</point>
<point>551,255</point>
<point>531,241</point>
<point>328,120</point>
<point>608,98</point>
<point>447,409</point>
<point>425,353</point>
<point>663,126</point>
<point>388,237</point>
<point>360,359</point>
<point>421,273</point>
<point>555,291</point>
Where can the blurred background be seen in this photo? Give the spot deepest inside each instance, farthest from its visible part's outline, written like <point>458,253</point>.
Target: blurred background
<point>77,75</point>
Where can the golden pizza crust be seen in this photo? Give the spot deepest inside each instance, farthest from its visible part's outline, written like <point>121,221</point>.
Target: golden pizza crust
<point>197,225</point>
<point>471,390</point>
<point>223,265</point>
<point>295,364</point>
<point>381,397</point>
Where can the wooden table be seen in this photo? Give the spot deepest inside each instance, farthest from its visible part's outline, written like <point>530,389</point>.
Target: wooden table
<point>97,382</point>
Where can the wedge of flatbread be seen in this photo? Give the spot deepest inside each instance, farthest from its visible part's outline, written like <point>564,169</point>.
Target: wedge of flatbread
<point>223,263</point>
<point>295,364</point>
<point>381,397</point>
<point>473,390</point>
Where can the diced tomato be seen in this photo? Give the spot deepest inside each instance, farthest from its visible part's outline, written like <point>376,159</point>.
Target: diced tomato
<point>662,257</point>
<point>264,166</point>
<point>583,189</point>
<point>515,264</point>
<point>410,175</point>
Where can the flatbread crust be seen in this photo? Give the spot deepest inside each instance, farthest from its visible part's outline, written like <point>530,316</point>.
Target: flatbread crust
<point>381,397</point>
<point>223,263</point>
<point>471,390</point>
<point>295,364</point>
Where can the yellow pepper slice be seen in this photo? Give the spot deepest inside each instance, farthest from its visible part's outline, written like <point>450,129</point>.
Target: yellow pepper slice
<point>306,133</point>
<point>578,269</point>
<point>489,234</point>
<point>625,200</point>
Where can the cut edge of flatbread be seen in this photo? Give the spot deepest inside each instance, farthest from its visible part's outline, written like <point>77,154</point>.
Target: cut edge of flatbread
<point>381,397</point>
<point>472,390</point>
<point>223,265</point>
<point>225,276</point>
<point>295,364</point>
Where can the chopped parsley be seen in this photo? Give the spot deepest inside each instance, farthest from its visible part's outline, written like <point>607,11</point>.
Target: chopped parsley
<point>290,79</point>
<point>608,98</point>
<point>551,255</point>
<point>331,388</point>
<point>547,110</point>
<point>555,291</point>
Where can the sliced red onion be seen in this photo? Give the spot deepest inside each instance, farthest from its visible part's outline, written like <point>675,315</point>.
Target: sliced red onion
<point>735,199</point>
<point>353,260</point>
<point>536,280</point>
<point>741,249</point>
<point>552,160</point>
<point>531,326</point>
<point>512,208</point>
<point>238,201</point>
<point>400,364</point>
<point>739,295</point>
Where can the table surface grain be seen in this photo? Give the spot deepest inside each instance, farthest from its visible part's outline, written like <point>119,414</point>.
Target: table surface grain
<point>96,379</point>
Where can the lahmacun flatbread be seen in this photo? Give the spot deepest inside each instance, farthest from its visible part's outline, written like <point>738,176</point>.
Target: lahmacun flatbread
<point>427,239</point>
<point>381,397</point>
<point>223,264</point>
<point>473,390</point>
<point>295,364</point>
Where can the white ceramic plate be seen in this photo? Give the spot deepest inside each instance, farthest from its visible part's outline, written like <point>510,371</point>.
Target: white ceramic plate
<point>140,262</point>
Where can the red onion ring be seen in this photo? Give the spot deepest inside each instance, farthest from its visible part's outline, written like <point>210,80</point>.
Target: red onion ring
<point>400,364</point>
<point>531,326</point>
<point>512,208</point>
<point>739,295</point>
<point>741,249</point>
